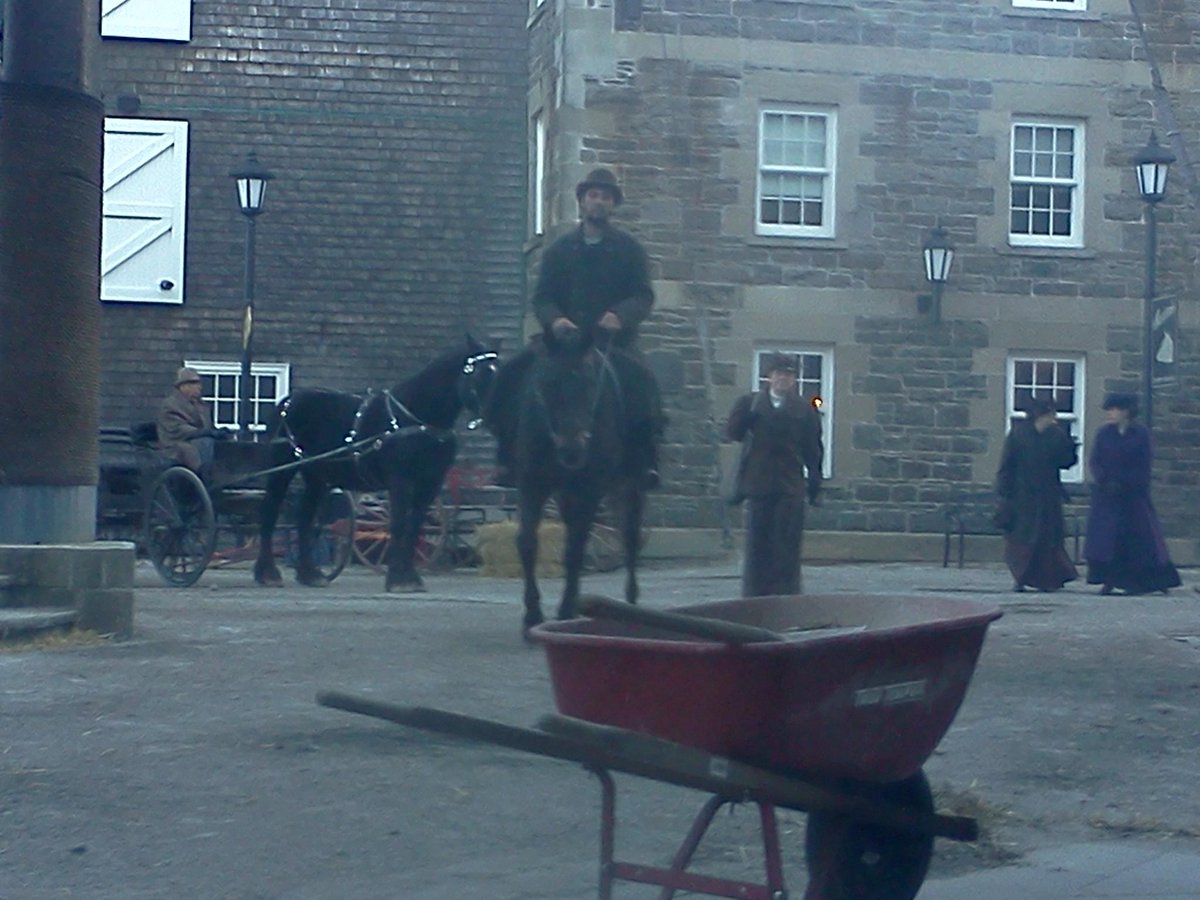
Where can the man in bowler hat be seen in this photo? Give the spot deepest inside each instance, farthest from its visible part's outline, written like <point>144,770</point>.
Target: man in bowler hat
<point>781,462</point>
<point>594,280</point>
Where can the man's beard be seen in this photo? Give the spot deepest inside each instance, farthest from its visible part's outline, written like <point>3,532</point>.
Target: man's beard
<point>597,217</point>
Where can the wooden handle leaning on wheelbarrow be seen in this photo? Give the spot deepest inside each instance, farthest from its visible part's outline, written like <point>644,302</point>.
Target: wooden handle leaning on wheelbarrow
<point>697,626</point>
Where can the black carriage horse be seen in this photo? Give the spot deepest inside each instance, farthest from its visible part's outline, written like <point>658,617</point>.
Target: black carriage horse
<point>571,444</point>
<point>401,440</point>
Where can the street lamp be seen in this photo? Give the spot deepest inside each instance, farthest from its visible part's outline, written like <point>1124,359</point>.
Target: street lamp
<point>251,179</point>
<point>1152,164</point>
<point>939,256</point>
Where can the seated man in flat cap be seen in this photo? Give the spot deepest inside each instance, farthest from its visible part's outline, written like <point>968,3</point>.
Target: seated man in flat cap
<point>185,431</point>
<point>594,279</point>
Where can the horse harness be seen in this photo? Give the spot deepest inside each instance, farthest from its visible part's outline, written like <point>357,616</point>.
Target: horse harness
<point>469,389</point>
<point>353,445</point>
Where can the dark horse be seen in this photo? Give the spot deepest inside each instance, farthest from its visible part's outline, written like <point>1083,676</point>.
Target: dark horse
<point>571,439</point>
<point>400,440</point>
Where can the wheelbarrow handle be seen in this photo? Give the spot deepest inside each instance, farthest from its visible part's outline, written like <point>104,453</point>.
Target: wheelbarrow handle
<point>697,626</point>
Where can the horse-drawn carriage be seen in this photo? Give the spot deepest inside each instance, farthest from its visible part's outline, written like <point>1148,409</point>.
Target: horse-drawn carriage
<point>400,441</point>
<point>184,523</point>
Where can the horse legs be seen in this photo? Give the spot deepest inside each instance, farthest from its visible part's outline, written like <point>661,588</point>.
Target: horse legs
<point>307,572</point>
<point>529,517</point>
<point>578,515</point>
<point>630,519</point>
<point>265,570</point>
<point>408,515</point>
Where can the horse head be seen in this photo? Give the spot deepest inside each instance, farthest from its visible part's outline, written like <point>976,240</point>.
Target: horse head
<point>568,389</point>
<point>478,371</point>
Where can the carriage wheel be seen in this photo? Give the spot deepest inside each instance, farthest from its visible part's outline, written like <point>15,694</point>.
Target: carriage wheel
<point>333,538</point>
<point>335,531</point>
<point>605,551</point>
<point>373,534</point>
<point>372,531</point>
<point>850,860</point>
<point>180,526</point>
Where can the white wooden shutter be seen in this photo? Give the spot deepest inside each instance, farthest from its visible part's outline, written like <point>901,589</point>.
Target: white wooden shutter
<point>157,20</point>
<point>145,207</point>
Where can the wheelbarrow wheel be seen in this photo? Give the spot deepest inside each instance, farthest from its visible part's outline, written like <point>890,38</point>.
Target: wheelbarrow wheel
<point>849,860</point>
<point>180,526</point>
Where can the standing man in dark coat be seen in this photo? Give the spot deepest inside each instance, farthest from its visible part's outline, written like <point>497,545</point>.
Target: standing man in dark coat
<point>781,462</point>
<point>596,280</point>
<point>185,432</point>
<point>1125,548</point>
<point>1031,499</point>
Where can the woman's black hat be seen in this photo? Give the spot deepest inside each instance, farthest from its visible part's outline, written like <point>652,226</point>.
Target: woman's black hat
<point>1127,402</point>
<point>1040,406</point>
<point>785,362</point>
<point>600,178</point>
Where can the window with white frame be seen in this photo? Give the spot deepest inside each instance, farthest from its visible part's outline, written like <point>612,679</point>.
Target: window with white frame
<point>220,386</point>
<point>815,384</point>
<point>155,20</point>
<point>1051,4</point>
<point>796,155</point>
<point>537,174</point>
<point>1056,377</point>
<point>1046,198</point>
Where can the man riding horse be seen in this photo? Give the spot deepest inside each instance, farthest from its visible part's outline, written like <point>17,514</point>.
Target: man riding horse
<point>596,280</point>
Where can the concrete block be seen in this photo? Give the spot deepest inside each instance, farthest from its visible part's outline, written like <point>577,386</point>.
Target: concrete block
<point>96,579</point>
<point>107,611</point>
<point>117,561</point>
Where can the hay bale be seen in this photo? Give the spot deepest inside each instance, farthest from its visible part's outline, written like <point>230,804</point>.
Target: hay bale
<point>497,546</point>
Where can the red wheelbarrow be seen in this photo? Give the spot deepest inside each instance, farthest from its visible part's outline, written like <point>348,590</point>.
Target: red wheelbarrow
<point>825,704</point>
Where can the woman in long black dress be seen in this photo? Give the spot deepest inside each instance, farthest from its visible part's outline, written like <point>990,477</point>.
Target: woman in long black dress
<point>1031,499</point>
<point>1125,549</point>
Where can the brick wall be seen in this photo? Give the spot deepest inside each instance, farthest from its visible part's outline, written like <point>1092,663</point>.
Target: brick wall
<point>396,134</point>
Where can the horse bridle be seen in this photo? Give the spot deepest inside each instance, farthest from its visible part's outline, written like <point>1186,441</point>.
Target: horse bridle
<point>469,390</point>
<point>606,369</point>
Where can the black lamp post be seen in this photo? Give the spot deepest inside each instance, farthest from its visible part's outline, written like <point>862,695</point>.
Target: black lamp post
<point>251,179</point>
<point>1152,164</point>
<point>939,256</point>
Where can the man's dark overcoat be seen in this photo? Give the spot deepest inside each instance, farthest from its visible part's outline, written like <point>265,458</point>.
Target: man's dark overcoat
<point>583,281</point>
<point>180,420</point>
<point>781,460</point>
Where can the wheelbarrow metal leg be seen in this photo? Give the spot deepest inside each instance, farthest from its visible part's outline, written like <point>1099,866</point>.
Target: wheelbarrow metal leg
<point>773,858</point>
<point>695,834</point>
<point>676,877</point>
<point>608,825</point>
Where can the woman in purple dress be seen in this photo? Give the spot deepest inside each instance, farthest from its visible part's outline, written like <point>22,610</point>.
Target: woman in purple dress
<point>1125,549</point>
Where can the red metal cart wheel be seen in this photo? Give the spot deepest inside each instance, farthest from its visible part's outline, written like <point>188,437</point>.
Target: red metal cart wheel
<point>373,534</point>
<point>849,860</point>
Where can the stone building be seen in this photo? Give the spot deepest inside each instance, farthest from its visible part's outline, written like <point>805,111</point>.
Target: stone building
<point>394,221</point>
<point>785,161</point>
